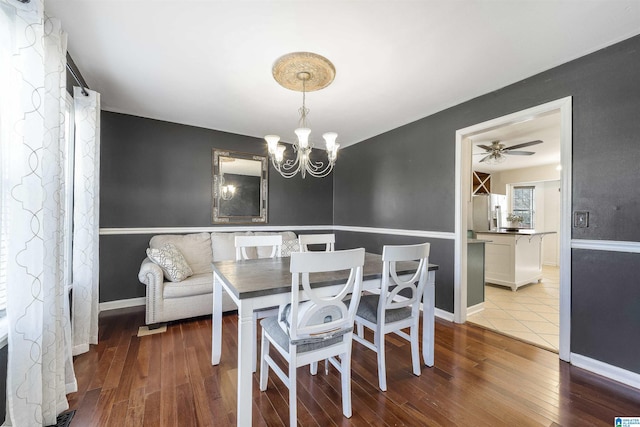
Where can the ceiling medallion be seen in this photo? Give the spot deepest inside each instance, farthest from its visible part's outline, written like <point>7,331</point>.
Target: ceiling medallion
<point>319,71</point>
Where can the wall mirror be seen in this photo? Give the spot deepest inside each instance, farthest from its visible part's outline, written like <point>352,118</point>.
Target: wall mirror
<point>240,187</point>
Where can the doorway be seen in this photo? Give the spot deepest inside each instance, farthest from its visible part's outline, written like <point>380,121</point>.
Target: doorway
<point>463,206</point>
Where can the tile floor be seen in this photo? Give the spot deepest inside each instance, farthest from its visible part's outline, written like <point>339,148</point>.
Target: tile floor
<point>531,314</point>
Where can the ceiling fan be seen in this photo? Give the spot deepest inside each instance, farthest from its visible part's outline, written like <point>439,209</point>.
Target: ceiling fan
<point>495,153</point>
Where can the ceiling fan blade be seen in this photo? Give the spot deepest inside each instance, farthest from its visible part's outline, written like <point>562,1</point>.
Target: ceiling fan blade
<point>519,153</point>
<point>486,147</point>
<point>524,144</point>
<point>485,158</point>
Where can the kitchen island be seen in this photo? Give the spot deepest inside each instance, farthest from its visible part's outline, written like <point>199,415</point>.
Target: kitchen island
<point>513,258</point>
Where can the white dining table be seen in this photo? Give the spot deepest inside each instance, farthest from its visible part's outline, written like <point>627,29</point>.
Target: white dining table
<point>263,283</point>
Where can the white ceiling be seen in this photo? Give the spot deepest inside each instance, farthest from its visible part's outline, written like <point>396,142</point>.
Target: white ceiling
<point>208,63</point>
<point>545,128</point>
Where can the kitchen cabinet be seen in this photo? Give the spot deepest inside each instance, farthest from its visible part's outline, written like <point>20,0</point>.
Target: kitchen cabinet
<point>513,258</point>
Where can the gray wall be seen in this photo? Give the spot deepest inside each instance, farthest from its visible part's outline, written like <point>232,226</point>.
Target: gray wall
<point>404,179</point>
<point>158,174</point>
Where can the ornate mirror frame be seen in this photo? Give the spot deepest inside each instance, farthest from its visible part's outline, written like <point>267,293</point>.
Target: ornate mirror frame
<point>250,184</point>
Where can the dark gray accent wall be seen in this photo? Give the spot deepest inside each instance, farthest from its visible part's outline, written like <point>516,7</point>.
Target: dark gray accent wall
<point>158,174</point>
<point>404,178</point>
<point>605,313</point>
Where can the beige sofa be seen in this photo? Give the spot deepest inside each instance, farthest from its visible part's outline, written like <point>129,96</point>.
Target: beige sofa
<point>168,300</point>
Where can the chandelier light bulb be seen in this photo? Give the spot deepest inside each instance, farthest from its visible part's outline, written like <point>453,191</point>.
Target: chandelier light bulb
<point>279,153</point>
<point>303,137</point>
<point>272,143</point>
<point>330,139</point>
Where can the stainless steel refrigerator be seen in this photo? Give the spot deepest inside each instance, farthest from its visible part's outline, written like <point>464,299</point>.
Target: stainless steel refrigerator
<point>489,212</point>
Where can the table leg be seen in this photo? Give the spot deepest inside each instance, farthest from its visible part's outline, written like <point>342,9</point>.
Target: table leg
<point>428,319</point>
<point>216,322</point>
<point>245,354</point>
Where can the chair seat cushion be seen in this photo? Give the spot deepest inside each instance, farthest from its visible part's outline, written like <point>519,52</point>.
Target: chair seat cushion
<point>368,310</point>
<point>272,327</point>
<point>198,284</point>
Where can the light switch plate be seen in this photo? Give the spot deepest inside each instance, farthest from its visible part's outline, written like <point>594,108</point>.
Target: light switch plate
<point>580,219</point>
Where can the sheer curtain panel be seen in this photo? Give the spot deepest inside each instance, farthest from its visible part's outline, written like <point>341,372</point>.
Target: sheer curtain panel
<point>86,208</point>
<point>40,369</point>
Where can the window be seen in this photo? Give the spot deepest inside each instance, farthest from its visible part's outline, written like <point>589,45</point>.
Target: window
<point>523,205</point>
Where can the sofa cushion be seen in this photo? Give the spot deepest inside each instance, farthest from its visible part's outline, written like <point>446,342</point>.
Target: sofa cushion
<point>289,244</point>
<point>170,259</point>
<point>196,249</point>
<point>224,246</point>
<point>198,284</point>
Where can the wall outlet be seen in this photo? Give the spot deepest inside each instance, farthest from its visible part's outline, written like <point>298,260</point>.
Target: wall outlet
<point>580,219</point>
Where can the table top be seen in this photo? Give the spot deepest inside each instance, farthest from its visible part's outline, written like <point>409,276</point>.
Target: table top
<point>266,276</point>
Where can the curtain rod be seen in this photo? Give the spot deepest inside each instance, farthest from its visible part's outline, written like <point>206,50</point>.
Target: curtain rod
<point>77,79</point>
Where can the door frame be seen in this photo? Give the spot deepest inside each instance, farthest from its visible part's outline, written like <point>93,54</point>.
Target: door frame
<point>463,200</point>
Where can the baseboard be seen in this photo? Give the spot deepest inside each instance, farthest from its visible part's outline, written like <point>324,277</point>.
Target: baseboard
<point>609,371</point>
<point>445,315</point>
<point>122,303</point>
<point>475,309</point>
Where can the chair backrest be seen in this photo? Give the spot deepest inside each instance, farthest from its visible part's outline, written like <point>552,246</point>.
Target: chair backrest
<point>329,240</point>
<point>324,315</point>
<point>243,242</point>
<point>411,289</point>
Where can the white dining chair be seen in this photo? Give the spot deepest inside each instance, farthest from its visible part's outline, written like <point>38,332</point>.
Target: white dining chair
<point>242,244</point>
<point>319,328</point>
<point>329,240</point>
<point>396,307</point>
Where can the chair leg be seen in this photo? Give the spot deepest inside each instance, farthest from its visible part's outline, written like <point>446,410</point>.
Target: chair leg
<point>264,366</point>
<point>360,329</point>
<point>415,353</point>
<point>313,368</point>
<point>345,367</point>
<point>382,370</point>
<point>293,409</point>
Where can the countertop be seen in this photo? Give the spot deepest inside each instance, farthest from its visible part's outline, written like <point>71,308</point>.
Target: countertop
<point>523,232</point>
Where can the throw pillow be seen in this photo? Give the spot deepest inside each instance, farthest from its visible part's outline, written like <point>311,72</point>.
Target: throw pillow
<point>170,259</point>
<point>289,246</point>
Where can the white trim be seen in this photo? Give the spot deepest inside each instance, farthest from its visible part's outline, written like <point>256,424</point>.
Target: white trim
<point>397,232</point>
<point>372,230</point>
<point>474,309</point>
<point>463,198</point>
<point>210,229</point>
<point>122,303</point>
<point>609,371</point>
<point>445,315</point>
<point>606,245</point>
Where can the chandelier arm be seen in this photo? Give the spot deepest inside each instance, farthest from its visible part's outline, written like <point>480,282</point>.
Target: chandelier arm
<point>318,169</point>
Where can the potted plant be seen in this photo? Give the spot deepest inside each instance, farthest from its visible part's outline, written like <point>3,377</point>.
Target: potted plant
<point>515,221</point>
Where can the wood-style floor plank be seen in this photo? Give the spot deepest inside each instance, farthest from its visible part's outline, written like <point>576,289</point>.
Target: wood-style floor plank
<point>480,378</point>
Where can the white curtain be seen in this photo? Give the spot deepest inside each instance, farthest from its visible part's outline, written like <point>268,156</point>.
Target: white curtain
<point>33,86</point>
<point>86,208</point>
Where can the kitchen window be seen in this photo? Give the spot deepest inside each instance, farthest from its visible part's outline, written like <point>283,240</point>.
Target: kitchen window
<point>522,205</point>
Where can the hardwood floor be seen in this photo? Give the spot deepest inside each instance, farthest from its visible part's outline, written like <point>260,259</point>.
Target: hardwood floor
<point>480,378</point>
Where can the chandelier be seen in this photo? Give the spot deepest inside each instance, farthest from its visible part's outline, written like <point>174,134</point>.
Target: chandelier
<point>303,72</point>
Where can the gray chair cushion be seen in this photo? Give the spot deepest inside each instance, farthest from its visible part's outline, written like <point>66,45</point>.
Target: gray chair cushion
<point>272,327</point>
<point>368,310</point>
